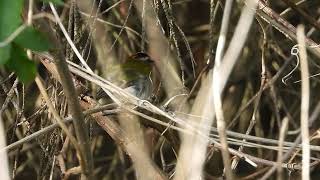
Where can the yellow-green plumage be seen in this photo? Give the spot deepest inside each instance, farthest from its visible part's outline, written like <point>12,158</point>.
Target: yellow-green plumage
<point>133,75</point>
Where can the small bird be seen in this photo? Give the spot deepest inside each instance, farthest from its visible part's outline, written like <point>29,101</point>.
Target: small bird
<point>133,76</point>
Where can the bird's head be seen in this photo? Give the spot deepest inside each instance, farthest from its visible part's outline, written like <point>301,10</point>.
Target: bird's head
<point>139,62</point>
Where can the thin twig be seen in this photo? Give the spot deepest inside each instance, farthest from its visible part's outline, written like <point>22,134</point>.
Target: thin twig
<point>55,114</point>
<point>306,16</point>
<point>74,106</point>
<point>217,89</point>
<point>282,135</point>
<point>305,96</point>
<point>13,35</point>
<point>283,26</point>
<point>4,168</point>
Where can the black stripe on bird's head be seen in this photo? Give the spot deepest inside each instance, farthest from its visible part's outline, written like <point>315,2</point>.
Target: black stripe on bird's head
<point>142,57</point>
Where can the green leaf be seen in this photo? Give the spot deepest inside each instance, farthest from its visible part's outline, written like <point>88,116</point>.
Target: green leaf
<point>57,2</point>
<point>5,54</point>
<point>10,19</point>
<point>32,39</point>
<point>24,68</point>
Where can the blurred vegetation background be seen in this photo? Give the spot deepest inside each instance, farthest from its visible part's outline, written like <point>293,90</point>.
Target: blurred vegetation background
<point>136,141</point>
